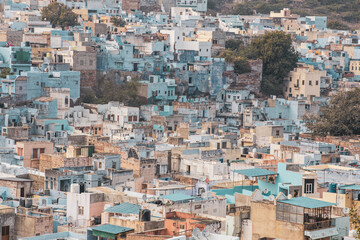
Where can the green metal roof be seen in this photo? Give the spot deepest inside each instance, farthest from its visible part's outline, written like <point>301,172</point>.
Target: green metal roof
<point>307,202</point>
<point>125,208</point>
<point>350,187</point>
<point>255,172</point>
<point>177,197</point>
<point>112,229</point>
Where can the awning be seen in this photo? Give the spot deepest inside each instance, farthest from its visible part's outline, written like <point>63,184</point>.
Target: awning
<point>322,233</point>
<point>255,172</point>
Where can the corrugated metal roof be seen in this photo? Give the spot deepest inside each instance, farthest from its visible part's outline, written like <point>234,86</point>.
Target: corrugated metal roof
<point>113,229</point>
<point>307,202</point>
<point>350,187</point>
<point>177,197</point>
<point>255,172</point>
<point>125,208</point>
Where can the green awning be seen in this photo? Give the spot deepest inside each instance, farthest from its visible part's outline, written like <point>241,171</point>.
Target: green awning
<point>124,208</point>
<point>109,231</point>
<point>306,202</point>
<point>350,187</point>
<point>255,172</point>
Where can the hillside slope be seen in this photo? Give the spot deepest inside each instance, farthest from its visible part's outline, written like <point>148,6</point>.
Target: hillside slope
<point>342,14</point>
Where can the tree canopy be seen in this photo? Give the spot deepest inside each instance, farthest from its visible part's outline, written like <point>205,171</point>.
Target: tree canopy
<point>341,117</point>
<point>274,49</point>
<point>5,71</point>
<point>109,90</point>
<point>337,25</point>
<point>279,58</point>
<point>59,14</point>
<point>117,21</point>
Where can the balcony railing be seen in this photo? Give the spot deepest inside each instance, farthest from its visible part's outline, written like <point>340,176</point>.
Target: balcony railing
<point>318,225</point>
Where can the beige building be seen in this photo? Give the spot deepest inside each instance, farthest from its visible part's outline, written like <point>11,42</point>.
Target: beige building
<point>30,223</point>
<point>355,66</point>
<point>19,187</point>
<point>7,222</point>
<point>265,135</point>
<point>296,218</point>
<point>304,81</point>
<point>31,151</point>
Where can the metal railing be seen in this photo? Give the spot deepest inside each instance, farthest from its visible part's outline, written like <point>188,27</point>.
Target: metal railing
<point>318,225</point>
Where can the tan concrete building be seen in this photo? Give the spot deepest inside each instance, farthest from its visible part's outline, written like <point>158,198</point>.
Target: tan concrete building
<point>7,222</point>
<point>31,151</point>
<point>11,36</point>
<point>48,161</point>
<point>31,223</point>
<point>303,82</point>
<point>265,135</point>
<point>19,187</point>
<point>355,66</point>
<point>296,218</point>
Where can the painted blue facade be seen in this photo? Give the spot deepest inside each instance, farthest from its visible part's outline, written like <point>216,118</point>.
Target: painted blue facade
<point>18,59</point>
<point>36,81</point>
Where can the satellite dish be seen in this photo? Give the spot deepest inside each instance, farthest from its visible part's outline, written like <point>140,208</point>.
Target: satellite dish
<point>290,196</point>
<point>266,191</point>
<point>144,198</point>
<point>61,220</point>
<point>346,210</point>
<point>271,198</point>
<point>70,219</point>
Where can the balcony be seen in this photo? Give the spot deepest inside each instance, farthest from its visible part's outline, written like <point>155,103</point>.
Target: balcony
<point>318,225</point>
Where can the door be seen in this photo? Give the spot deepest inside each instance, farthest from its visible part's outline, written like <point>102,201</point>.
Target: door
<point>22,192</point>
<point>5,233</point>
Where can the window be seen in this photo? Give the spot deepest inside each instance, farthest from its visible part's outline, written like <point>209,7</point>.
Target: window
<point>310,83</point>
<point>20,152</point>
<point>309,186</point>
<point>303,82</point>
<point>277,133</point>
<point>81,210</point>
<point>81,62</point>
<point>182,226</point>
<point>317,83</point>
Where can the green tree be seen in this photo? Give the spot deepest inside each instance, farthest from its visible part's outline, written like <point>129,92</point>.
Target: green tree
<point>117,21</point>
<point>59,15</point>
<point>337,25</point>
<point>279,58</point>
<point>341,117</point>
<point>355,220</point>
<point>243,9</point>
<point>234,44</point>
<point>5,71</point>
<point>241,65</point>
<point>125,92</point>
